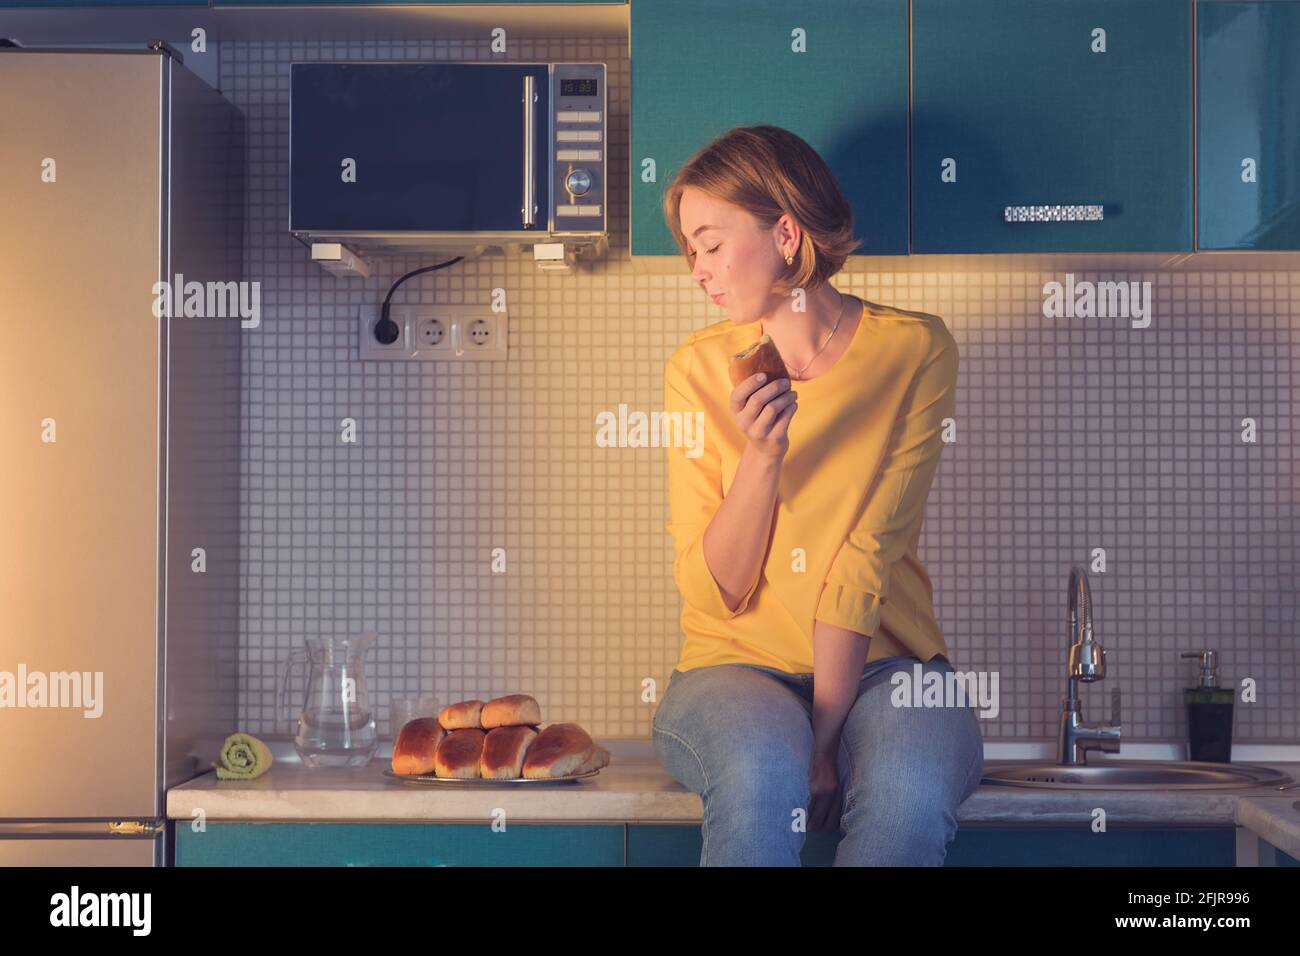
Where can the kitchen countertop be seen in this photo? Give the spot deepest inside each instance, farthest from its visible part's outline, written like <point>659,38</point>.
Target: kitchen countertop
<point>635,788</point>
<point>1275,820</point>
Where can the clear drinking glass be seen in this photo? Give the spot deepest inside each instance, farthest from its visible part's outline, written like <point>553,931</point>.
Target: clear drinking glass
<point>406,708</point>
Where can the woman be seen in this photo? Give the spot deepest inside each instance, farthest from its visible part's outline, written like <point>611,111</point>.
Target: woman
<point>795,532</point>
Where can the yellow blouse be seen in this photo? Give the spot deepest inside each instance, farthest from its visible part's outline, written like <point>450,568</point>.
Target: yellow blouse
<point>864,447</point>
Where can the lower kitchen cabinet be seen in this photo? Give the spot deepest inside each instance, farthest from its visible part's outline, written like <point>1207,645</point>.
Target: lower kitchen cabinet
<point>650,844</point>
<point>399,844</point>
<point>1079,846</point>
<point>662,845</point>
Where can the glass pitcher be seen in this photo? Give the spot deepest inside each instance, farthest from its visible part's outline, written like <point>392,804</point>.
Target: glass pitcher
<point>336,727</point>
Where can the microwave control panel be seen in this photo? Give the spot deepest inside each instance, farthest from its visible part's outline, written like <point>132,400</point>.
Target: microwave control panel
<point>580,148</point>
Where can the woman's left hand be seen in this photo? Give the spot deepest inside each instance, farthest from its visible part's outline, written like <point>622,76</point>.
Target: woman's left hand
<point>824,793</point>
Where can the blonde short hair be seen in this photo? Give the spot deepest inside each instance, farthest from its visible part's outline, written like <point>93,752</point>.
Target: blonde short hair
<point>769,171</point>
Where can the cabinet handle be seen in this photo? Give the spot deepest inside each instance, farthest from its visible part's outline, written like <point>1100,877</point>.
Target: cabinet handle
<point>1076,213</point>
<point>530,147</point>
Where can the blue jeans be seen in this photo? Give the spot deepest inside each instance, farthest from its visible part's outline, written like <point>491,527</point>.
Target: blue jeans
<point>740,735</point>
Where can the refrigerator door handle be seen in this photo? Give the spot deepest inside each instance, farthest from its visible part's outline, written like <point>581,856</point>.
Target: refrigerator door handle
<point>83,828</point>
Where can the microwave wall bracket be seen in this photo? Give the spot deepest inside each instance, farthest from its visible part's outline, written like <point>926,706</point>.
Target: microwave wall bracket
<point>338,260</point>
<point>553,257</point>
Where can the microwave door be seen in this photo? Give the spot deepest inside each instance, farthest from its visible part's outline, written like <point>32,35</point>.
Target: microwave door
<point>433,147</point>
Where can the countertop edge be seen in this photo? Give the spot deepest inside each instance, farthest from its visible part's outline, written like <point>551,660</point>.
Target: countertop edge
<point>1276,820</point>
<point>639,791</point>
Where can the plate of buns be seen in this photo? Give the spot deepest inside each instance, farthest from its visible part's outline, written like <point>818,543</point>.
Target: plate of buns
<point>488,743</point>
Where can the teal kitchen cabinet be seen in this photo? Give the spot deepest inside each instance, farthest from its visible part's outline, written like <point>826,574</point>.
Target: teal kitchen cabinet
<point>1248,133</point>
<point>833,72</point>
<point>278,3</point>
<point>399,844</point>
<point>1034,105</point>
<point>653,844</point>
<point>679,845</point>
<point>425,3</point>
<point>101,3</point>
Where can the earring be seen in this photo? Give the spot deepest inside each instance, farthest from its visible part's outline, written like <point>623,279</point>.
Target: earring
<point>789,260</point>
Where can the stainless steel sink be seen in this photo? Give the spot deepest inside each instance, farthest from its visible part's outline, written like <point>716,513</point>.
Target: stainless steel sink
<point>1137,775</point>
<point>1076,738</point>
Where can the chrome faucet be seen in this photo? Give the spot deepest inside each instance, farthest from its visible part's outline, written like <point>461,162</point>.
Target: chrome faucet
<point>1087,663</point>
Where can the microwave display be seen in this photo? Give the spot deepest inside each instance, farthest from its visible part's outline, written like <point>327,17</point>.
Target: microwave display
<point>579,86</point>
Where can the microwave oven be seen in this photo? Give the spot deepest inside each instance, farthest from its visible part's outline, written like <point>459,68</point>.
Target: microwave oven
<point>447,156</point>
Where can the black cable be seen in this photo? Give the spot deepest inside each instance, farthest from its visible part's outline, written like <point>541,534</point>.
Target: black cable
<point>386,326</point>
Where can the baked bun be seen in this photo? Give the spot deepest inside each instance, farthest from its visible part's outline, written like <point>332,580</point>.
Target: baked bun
<point>510,711</point>
<point>416,744</point>
<point>459,753</point>
<point>563,750</point>
<point>761,356</point>
<point>503,752</point>
<point>460,715</point>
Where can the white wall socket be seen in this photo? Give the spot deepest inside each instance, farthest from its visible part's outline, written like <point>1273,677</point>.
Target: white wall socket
<point>436,333</point>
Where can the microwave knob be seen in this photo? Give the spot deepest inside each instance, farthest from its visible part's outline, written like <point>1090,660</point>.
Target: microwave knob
<point>578,181</point>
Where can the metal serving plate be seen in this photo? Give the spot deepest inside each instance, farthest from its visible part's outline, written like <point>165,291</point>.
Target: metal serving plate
<point>480,781</point>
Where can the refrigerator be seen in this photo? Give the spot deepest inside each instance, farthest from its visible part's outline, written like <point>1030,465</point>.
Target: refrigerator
<point>119,447</point>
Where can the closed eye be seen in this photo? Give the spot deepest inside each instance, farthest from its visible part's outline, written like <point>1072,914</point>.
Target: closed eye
<point>709,251</point>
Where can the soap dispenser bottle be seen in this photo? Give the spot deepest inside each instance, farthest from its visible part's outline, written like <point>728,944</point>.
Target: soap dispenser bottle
<point>1209,712</point>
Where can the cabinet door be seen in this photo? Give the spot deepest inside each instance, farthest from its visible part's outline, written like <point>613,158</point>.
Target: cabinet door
<point>103,3</point>
<point>833,72</point>
<point>675,844</point>
<point>1026,103</point>
<point>1248,138</point>
<point>1144,846</point>
<point>334,3</point>
<point>400,844</point>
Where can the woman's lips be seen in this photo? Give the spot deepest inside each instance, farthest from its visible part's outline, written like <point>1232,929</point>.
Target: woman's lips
<point>718,298</point>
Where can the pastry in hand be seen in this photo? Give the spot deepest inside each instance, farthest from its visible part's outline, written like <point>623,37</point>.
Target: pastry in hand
<point>761,356</point>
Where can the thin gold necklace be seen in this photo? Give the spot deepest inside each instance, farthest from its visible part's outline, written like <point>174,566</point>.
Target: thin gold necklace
<point>798,373</point>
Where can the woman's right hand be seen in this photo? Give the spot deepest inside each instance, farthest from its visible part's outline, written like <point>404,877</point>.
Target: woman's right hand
<point>762,411</point>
